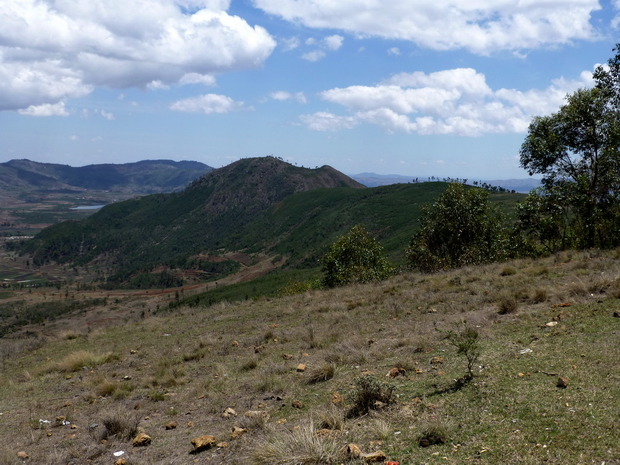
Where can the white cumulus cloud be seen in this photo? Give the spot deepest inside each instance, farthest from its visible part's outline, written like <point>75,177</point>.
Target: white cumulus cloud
<point>208,103</point>
<point>456,101</point>
<point>314,55</point>
<point>51,50</point>
<point>284,95</point>
<point>46,109</point>
<point>106,115</point>
<point>479,26</point>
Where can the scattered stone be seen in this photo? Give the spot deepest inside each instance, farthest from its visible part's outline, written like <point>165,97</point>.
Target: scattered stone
<point>287,356</point>
<point>74,427</point>
<point>133,351</point>
<point>141,440</point>
<point>258,349</point>
<point>121,461</point>
<point>67,404</point>
<point>337,398</point>
<point>562,382</point>
<point>301,368</point>
<point>395,372</point>
<point>222,444</point>
<point>22,455</point>
<point>297,404</point>
<point>560,316</point>
<point>61,420</point>
<point>190,424</point>
<point>566,304</point>
<point>418,371</point>
<point>229,412</point>
<point>373,457</point>
<point>281,421</point>
<point>551,324</point>
<point>327,433</point>
<point>171,425</point>
<point>235,343</point>
<point>616,314</point>
<point>203,443</point>
<point>237,432</point>
<point>437,360</point>
<point>353,450</point>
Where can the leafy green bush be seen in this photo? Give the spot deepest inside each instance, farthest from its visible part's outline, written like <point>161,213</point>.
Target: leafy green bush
<point>461,228</point>
<point>356,257</point>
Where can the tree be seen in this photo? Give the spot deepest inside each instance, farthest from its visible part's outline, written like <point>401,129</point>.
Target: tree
<point>544,219</point>
<point>461,228</point>
<point>356,257</point>
<point>576,151</point>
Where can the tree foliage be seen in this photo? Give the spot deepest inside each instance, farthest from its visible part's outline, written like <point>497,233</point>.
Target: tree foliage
<point>576,151</point>
<point>356,257</point>
<point>460,228</point>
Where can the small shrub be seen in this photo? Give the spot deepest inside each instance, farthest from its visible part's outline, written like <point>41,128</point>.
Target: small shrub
<point>368,394</point>
<point>465,340</point>
<point>507,305</point>
<point>121,424</point>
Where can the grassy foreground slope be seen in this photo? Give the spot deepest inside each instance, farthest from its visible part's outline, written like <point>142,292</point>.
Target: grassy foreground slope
<point>538,320</point>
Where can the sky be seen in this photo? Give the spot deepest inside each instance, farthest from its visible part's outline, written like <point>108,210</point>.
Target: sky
<point>411,87</point>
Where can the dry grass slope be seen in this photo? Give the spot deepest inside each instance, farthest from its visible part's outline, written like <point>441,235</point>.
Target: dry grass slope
<point>79,399</point>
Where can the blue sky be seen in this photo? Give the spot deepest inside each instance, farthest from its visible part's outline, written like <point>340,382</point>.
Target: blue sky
<point>412,87</point>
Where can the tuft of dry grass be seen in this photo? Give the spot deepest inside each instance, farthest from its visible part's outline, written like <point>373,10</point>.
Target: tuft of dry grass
<point>302,446</point>
<point>507,305</point>
<point>82,359</point>
<point>120,423</point>
<point>324,372</point>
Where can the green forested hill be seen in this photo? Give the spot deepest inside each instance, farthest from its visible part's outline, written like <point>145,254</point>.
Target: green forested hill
<point>254,205</point>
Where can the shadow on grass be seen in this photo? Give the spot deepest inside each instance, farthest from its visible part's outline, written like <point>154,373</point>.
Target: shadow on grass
<point>453,387</point>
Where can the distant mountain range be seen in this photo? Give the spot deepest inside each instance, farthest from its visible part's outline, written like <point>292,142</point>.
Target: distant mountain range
<point>374,180</point>
<point>147,176</point>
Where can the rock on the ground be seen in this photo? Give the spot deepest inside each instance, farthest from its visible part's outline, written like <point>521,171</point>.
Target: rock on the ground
<point>237,432</point>
<point>204,442</point>
<point>141,440</point>
<point>374,457</point>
